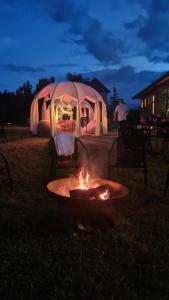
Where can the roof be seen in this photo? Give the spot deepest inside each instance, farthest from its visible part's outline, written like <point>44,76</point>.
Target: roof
<point>99,86</point>
<point>69,90</point>
<point>150,87</point>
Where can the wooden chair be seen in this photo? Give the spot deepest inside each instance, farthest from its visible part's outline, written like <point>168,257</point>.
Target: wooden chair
<point>66,162</point>
<point>5,175</point>
<point>129,151</point>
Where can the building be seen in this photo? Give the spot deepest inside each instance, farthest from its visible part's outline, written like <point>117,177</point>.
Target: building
<point>100,88</point>
<point>155,98</point>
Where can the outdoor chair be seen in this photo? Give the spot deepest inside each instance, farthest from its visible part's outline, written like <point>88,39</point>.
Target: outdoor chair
<point>5,175</point>
<point>148,135</point>
<point>142,129</point>
<point>163,135</point>
<point>66,162</point>
<point>3,136</point>
<point>129,151</point>
<point>166,184</point>
<point>165,142</point>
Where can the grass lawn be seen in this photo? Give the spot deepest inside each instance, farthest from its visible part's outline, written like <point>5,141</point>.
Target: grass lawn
<point>39,260</point>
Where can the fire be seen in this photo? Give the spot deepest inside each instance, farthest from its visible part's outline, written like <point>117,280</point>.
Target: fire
<point>84,179</point>
<point>105,195</point>
<point>92,186</point>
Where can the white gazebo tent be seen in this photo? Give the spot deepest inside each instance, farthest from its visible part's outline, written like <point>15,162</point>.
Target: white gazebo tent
<point>69,94</point>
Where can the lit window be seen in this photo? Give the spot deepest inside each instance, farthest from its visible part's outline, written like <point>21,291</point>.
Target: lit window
<point>153,108</point>
<point>145,102</point>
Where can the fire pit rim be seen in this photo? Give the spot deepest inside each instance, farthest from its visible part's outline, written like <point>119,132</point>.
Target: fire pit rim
<point>51,188</point>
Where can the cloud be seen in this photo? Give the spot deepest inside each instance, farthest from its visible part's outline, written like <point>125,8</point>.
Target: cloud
<point>64,65</point>
<point>155,33</point>
<point>157,59</point>
<point>6,42</point>
<point>124,74</point>
<point>167,59</point>
<point>152,28</point>
<point>23,69</point>
<point>127,81</point>
<point>87,31</point>
<point>116,4</point>
<point>74,14</point>
<point>10,1</point>
<point>155,30</point>
<point>64,11</point>
<point>102,44</point>
<point>136,23</point>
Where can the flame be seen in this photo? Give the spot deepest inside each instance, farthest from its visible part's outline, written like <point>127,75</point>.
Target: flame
<point>84,179</point>
<point>105,195</point>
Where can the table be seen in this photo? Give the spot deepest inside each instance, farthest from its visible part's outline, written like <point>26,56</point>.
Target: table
<point>150,132</point>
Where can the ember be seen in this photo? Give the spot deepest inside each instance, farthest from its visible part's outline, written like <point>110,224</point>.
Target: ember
<point>101,192</point>
<point>105,195</point>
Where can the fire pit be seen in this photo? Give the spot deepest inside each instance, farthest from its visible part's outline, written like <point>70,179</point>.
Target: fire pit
<point>63,188</point>
<point>90,202</point>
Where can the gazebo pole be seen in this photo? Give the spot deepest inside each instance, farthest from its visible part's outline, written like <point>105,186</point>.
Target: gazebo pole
<point>61,108</point>
<point>44,113</point>
<point>34,116</point>
<point>104,118</point>
<point>97,132</point>
<point>78,126</point>
<point>57,115</point>
<point>52,111</point>
<point>31,114</point>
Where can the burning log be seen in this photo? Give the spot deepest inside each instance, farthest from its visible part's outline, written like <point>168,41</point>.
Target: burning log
<point>102,192</point>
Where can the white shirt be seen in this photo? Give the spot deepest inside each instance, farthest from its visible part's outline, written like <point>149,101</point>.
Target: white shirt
<point>122,111</point>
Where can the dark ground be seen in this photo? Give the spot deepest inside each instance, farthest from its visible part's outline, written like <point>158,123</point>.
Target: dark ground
<point>41,259</point>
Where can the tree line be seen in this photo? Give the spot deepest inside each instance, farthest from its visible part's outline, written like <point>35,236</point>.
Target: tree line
<point>15,106</point>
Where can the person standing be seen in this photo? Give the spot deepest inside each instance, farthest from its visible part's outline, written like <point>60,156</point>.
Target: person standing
<point>120,115</point>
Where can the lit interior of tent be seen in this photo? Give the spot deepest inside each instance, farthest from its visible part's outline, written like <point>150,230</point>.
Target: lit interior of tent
<point>69,106</point>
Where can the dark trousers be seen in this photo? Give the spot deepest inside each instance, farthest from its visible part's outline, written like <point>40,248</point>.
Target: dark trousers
<point>123,127</point>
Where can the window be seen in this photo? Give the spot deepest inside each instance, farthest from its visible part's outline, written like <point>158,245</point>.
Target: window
<point>145,102</point>
<point>153,107</point>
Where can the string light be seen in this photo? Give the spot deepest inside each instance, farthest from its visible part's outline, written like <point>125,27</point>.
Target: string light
<point>64,110</point>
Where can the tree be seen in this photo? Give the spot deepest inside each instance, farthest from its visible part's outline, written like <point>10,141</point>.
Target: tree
<point>77,78</point>
<point>113,102</point>
<point>42,83</point>
<point>24,96</point>
<point>114,97</point>
<point>8,107</point>
<point>165,101</point>
<point>25,89</point>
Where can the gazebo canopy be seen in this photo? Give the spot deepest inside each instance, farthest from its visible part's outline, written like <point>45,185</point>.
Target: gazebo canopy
<point>74,93</point>
<point>47,91</point>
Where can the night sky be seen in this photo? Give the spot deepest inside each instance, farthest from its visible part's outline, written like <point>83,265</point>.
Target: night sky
<point>124,43</point>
